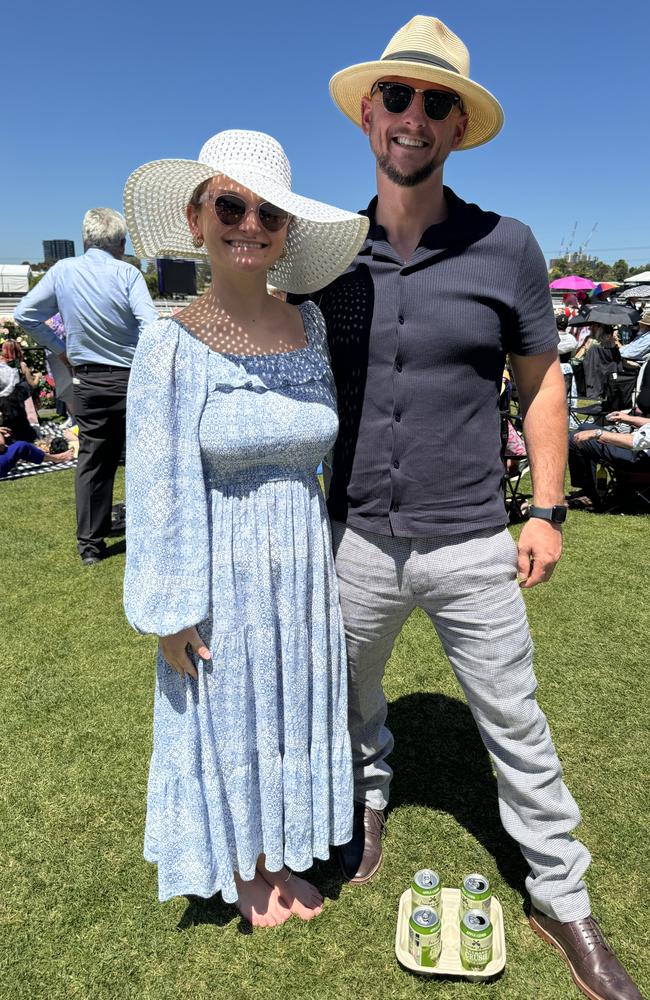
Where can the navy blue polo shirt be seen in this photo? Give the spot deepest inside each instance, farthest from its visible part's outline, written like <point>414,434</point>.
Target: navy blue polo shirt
<point>418,352</point>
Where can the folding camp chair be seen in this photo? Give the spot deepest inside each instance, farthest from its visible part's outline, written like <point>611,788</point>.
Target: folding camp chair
<point>628,486</point>
<point>625,390</point>
<point>517,501</point>
<point>514,457</point>
<point>592,380</point>
<point>632,487</point>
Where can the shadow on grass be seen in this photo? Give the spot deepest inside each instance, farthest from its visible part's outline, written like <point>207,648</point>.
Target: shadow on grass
<point>116,549</point>
<point>439,761</point>
<point>211,911</point>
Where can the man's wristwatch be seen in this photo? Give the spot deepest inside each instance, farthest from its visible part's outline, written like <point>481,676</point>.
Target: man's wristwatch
<point>598,433</point>
<point>556,514</point>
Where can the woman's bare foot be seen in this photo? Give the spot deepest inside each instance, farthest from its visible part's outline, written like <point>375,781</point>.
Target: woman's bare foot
<point>259,902</point>
<point>300,896</point>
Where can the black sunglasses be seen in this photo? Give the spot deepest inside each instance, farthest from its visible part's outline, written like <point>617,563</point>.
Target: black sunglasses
<point>397,97</point>
<point>230,209</point>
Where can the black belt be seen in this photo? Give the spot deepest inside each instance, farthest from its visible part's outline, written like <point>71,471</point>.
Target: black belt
<point>100,368</point>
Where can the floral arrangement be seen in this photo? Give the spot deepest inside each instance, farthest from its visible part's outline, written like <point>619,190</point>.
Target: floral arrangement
<point>46,394</point>
<point>12,332</point>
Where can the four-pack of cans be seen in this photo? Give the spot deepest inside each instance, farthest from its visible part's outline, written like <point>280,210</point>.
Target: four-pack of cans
<point>425,923</point>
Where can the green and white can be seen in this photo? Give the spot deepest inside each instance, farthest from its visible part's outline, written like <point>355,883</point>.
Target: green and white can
<point>475,894</point>
<point>475,940</point>
<point>426,889</point>
<point>425,940</point>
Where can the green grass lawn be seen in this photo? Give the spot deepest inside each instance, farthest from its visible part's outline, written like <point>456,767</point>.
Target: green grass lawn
<point>79,908</point>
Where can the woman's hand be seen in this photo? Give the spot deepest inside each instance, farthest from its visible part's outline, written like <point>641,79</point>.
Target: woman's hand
<point>174,650</point>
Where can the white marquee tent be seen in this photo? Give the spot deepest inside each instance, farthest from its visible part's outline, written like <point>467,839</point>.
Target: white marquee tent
<point>14,279</point>
<point>638,279</point>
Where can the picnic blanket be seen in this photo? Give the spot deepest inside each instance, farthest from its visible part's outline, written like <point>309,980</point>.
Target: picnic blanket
<point>48,430</point>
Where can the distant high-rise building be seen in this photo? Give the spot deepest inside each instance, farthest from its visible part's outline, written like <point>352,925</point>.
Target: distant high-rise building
<point>57,249</point>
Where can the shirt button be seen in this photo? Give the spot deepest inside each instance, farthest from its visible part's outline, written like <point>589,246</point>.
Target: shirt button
<point>401,319</point>
<point>395,507</point>
<point>398,417</point>
<point>398,366</point>
<point>396,464</point>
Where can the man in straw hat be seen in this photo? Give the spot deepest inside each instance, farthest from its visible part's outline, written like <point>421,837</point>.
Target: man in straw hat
<point>419,328</point>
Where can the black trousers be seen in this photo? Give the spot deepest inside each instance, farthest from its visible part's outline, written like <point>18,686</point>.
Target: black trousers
<point>584,459</point>
<point>100,412</point>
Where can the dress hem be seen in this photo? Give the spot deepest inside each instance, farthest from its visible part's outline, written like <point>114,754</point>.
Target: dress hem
<point>204,893</point>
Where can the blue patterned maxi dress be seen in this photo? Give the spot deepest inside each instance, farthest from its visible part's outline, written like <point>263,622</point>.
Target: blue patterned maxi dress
<point>227,529</point>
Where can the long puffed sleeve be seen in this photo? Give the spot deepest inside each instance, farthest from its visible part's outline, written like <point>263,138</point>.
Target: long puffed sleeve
<point>167,579</point>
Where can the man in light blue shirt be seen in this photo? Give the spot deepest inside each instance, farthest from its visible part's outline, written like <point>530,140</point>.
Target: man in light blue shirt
<point>639,348</point>
<point>104,303</point>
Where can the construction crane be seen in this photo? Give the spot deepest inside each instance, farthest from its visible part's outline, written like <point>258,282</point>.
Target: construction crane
<point>571,239</point>
<point>586,243</point>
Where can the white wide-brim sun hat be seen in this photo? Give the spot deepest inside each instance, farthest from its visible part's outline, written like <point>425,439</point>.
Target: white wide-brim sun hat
<point>424,49</point>
<point>8,380</point>
<point>321,240</point>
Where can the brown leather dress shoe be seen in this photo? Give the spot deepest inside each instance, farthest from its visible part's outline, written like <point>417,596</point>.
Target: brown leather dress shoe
<point>595,968</point>
<point>360,859</point>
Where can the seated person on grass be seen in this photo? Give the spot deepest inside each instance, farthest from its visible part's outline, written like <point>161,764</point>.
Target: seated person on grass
<point>12,452</point>
<point>12,356</point>
<point>12,405</point>
<point>16,434</point>
<point>591,446</point>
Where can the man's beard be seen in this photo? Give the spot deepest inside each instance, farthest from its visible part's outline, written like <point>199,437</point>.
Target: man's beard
<point>395,175</point>
<point>404,180</point>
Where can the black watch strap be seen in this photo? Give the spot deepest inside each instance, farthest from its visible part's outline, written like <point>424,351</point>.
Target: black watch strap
<point>556,514</point>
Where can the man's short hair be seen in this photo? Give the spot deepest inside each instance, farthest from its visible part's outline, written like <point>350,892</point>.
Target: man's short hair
<point>103,228</point>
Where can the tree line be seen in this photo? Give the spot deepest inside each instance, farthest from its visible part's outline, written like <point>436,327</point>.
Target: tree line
<point>595,270</point>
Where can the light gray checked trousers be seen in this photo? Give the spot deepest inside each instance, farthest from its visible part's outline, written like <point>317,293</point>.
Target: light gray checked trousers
<point>467,585</point>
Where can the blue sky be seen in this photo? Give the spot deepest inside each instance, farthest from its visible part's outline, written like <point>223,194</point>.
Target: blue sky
<point>93,90</point>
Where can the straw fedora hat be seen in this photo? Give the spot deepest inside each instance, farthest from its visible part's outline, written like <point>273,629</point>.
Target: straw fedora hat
<point>321,240</point>
<point>424,49</point>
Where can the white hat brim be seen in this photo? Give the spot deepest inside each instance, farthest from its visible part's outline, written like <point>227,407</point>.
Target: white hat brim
<point>321,240</point>
<point>485,114</point>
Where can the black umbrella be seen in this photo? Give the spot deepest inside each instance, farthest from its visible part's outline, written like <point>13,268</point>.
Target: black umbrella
<point>607,313</point>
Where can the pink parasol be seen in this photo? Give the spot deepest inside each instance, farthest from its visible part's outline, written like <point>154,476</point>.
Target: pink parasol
<point>572,283</point>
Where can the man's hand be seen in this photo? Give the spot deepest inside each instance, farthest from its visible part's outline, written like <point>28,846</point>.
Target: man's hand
<point>174,650</point>
<point>580,436</point>
<point>618,416</point>
<point>539,549</point>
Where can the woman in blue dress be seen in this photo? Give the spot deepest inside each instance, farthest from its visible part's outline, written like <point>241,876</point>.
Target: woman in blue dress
<point>230,410</point>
